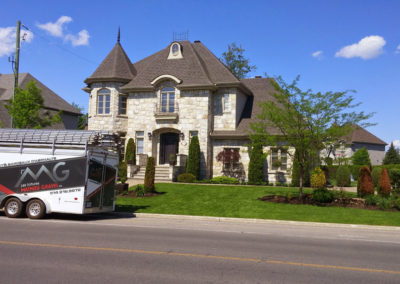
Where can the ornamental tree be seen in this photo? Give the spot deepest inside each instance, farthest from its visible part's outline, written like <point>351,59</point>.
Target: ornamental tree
<point>305,120</point>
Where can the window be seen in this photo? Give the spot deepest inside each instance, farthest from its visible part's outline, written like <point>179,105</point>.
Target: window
<point>103,101</point>
<point>168,99</point>
<point>279,159</point>
<point>122,105</point>
<point>227,105</point>
<point>139,142</point>
<point>175,49</point>
<point>222,104</point>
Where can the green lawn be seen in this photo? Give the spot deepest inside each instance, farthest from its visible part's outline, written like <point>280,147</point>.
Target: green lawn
<point>242,202</point>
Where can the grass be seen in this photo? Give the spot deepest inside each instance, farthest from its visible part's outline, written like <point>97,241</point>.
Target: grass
<point>242,202</point>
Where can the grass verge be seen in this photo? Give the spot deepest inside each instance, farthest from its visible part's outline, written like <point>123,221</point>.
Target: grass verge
<point>242,202</point>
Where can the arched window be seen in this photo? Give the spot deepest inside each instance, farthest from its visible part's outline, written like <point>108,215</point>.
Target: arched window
<point>103,101</point>
<point>168,99</point>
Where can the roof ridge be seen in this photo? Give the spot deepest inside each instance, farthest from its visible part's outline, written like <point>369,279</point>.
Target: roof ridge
<point>200,61</point>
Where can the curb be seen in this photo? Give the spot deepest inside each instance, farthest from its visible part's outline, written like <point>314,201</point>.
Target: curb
<point>265,221</point>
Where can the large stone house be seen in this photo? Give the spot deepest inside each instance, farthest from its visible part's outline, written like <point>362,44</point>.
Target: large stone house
<point>182,91</point>
<point>53,103</point>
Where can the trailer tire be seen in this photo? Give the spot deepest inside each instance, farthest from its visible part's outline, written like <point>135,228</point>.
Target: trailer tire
<point>13,208</point>
<point>35,209</point>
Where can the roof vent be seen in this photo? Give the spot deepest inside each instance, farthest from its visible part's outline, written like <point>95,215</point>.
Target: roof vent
<point>197,41</point>
<point>258,77</point>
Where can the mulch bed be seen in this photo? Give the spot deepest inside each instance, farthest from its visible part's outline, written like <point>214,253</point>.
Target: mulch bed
<point>307,199</point>
<point>133,194</point>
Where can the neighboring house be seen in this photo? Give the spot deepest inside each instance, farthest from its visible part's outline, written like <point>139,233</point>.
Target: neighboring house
<point>52,102</point>
<point>358,139</point>
<point>182,91</point>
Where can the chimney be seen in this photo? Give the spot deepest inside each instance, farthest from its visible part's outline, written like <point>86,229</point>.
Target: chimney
<point>197,41</point>
<point>258,76</point>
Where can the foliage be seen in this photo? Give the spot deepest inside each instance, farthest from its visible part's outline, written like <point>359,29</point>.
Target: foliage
<point>385,203</point>
<point>139,190</point>
<point>375,174</point>
<point>149,175</point>
<point>193,163</point>
<point>322,195</point>
<point>296,173</point>
<point>236,62</point>
<point>394,175</point>
<point>186,177</point>
<point>224,180</point>
<point>361,157</point>
<point>305,120</point>
<point>318,179</point>
<point>27,108</point>
<point>365,184</point>
<point>355,171</point>
<point>343,176</point>
<point>256,164</point>
<point>396,203</point>
<point>392,156</point>
<point>82,120</point>
<point>122,171</point>
<point>384,183</point>
<point>228,156</point>
<point>130,152</point>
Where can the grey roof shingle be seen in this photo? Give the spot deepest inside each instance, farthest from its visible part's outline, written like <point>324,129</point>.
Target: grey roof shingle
<point>116,67</point>
<point>361,135</point>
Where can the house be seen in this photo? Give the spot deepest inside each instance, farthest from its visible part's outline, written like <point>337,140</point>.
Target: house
<point>181,91</point>
<point>52,102</point>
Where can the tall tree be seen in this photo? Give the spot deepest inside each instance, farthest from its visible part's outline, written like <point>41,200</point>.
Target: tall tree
<point>305,121</point>
<point>257,158</point>
<point>392,156</point>
<point>193,162</point>
<point>27,108</point>
<point>82,120</point>
<point>236,62</point>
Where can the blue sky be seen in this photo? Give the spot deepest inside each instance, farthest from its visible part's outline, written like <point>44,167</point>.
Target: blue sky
<point>332,45</point>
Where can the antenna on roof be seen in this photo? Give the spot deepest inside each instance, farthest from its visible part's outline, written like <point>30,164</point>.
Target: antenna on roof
<point>119,35</point>
<point>180,36</point>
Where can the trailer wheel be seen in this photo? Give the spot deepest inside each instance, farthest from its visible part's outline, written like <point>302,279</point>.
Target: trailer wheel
<point>35,209</point>
<point>13,208</point>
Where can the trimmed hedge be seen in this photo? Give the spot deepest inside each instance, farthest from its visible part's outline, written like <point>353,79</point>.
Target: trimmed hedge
<point>186,177</point>
<point>384,183</point>
<point>365,185</point>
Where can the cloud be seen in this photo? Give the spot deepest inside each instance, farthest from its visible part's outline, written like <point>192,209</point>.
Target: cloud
<point>398,49</point>
<point>396,143</point>
<point>55,29</point>
<point>317,54</point>
<point>367,48</point>
<point>7,39</point>
<point>81,39</point>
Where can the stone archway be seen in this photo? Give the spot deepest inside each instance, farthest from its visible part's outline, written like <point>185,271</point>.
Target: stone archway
<point>169,146</point>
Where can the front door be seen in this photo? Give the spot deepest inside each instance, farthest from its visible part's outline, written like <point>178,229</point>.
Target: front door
<point>169,145</point>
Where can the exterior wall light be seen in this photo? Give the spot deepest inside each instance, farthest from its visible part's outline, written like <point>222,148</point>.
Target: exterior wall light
<point>182,136</point>
<point>150,135</point>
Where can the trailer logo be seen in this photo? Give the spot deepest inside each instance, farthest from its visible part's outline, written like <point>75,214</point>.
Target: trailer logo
<point>52,175</point>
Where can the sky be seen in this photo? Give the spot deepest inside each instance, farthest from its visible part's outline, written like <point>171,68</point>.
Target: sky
<point>332,45</point>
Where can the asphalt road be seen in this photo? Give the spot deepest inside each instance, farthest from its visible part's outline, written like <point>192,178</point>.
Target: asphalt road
<point>123,249</point>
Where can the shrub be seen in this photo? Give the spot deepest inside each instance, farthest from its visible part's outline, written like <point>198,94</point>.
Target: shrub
<point>318,179</point>
<point>322,195</point>
<point>130,153</point>
<point>384,183</point>
<point>365,185</point>
<point>361,157</point>
<point>193,163</point>
<point>394,175</point>
<point>343,176</point>
<point>385,203</point>
<point>225,180</point>
<point>355,171</point>
<point>396,203</point>
<point>149,175</point>
<point>186,177</point>
<point>122,171</point>
<point>376,173</point>
<point>257,157</point>
<point>139,190</point>
<point>371,199</point>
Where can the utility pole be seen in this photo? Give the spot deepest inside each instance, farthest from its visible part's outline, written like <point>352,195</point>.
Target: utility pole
<point>16,65</point>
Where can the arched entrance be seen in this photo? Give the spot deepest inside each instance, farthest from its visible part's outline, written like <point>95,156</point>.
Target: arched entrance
<point>169,145</point>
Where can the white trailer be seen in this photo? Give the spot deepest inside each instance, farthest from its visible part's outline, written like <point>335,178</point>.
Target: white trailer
<point>45,171</point>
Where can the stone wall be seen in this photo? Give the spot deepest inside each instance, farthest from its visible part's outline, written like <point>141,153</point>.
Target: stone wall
<point>225,120</point>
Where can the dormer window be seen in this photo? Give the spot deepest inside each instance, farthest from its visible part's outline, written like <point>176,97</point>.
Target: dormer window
<point>175,51</point>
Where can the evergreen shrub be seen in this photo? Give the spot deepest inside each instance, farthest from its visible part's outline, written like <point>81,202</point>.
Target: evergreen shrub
<point>343,176</point>
<point>130,153</point>
<point>149,175</point>
<point>318,179</point>
<point>365,185</point>
<point>257,157</point>
<point>193,162</point>
<point>322,195</point>
<point>384,183</point>
<point>394,174</point>
<point>186,177</point>
<point>361,157</point>
<point>376,173</point>
<point>122,171</point>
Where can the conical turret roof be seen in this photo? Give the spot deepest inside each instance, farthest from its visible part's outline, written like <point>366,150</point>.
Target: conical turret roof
<point>116,67</point>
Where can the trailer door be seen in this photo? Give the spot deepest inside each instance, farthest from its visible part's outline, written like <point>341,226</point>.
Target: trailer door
<point>108,187</point>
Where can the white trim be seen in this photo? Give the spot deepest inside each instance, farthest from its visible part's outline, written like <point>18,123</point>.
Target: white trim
<point>166,77</point>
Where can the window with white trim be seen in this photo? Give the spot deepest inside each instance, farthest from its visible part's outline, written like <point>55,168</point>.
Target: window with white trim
<point>139,142</point>
<point>278,159</point>
<point>103,101</point>
<point>168,99</point>
<point>122,103</point>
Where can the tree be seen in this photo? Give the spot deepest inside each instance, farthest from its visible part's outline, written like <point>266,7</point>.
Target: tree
<point>392,156</point>
<point>384,183</point>
<point>82,120</point>
<point>236,62</point>
<point>365,185</point>
<point>256,164</point>
<point>130,153</point>
<point>193,163</point>
<point>361,157</point>
<point>27,107</point>
<point>343,176</point>
<point>305,121</point>
<point>231,158</point>
<point>149,175</point>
